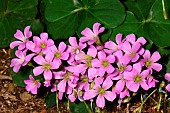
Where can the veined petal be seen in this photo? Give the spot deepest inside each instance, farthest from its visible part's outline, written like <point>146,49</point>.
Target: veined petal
<point>101,55</point>
<point>144,85</point>
<point>167,76</point>
<point>168,87</point>
<point>101,71</point>
<point>155,56</point>
<point>96,28</point>
<point>111,58</point>
<point>38,70</point>
<point>120,85</point>
<point>90,94</point>
<point>96,63</point>
<point>92,51</point>
<point>87,32</point>
<point>73,41</point>
<point>100,101</point>
<point>110,45</point>
<point>62,46</point>
<point>131,38</point>
<point>119,38</point>
<point>92,72</point>
<point>47,75</point>
<point>19,54</point>
<point>136,46</point>
<point>19,35</point>
<point>27,32</point>
<point>14,44</point>
<point>110,96</point>
<point>39,60</point>
<point>156,66</point>
<point>110,68</point>
<point>137,67</point>
<point>64,55</point>
<point>62,86</point>
<point>50,42</point>
<point>133,87</point>
<point>141,40</point>
<point>44,37</point>
<point>147,55</point>
<point>16,68</point>
<point>107,83</point>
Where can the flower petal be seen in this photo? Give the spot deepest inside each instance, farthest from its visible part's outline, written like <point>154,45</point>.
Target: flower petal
<point>101,55</point>
<point>47,75</point>
<point>19,35</point>
<point>107,83</point>
<point>38,70</point>
<point>167,76</point>
<point>62,86</point>
<point>39,60</point>
<point>27,32</point>
<point>90,94</point>
<point>110,96</point>
<point>168,87</point>
<point>100,101</point>
<point>155,56</point>
<point>92,51</point>
<point>62,46</point>
<point>14,44</point>
<point>73,41</point>
<point>156,66</point>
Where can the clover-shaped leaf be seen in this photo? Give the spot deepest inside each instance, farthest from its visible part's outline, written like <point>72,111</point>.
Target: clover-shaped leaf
<point>15,14</point>
<point>146,19</point>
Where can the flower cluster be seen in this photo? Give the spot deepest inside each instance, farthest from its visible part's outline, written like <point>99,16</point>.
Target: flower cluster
<point>87,69</point>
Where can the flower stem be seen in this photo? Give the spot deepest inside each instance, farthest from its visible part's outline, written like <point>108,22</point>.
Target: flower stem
<point>87,107</point>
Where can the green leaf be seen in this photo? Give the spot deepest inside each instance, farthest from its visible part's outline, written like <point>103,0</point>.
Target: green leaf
<point>168,67</point>
<point>23,74</point>
<point>15,15</point>
<point>37,27</point>
<point>70,16</point>
<point>149,23</point>
<point>50,100</point>
<point>78,107</point>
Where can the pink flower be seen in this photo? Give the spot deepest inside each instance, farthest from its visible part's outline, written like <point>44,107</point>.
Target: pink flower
<point>103,63</point>
<point>45,66</point>
<point>111,47</point>
<point>91,36</point>
<point>60,53</point>
<point>75,48</point>
<point>132,39</point>
<point>40,44</point>
<point>22,37</point>
<point>124,93</point>
<point>86,62</point>
<point>131,51</point>
<point>150,81</point>
<point>22,60</point>
<point>101,92</point>
<point>167,77</point>
<point>68,81</point>
<point>32,85</point>
<point>150,61</point>
<point>136,78</point>
<point>121,62</point>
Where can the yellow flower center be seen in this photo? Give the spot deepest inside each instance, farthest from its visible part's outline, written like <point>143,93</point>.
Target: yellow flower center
<point>138,78</point>
<point>88,57</point>
<point>89,64</point>
<point>85,79</point>
<point>121,68</point>
<point>57,55</point>
<point>43,45</point>
<point>132,54</point>
<point>101,91</point>
<point>148,63</point>
<point>105,63</point>
<point>47,66</point>
<point>67,75</point>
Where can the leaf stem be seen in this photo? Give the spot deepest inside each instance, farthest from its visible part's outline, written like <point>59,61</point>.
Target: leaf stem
<point>164,10</point>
